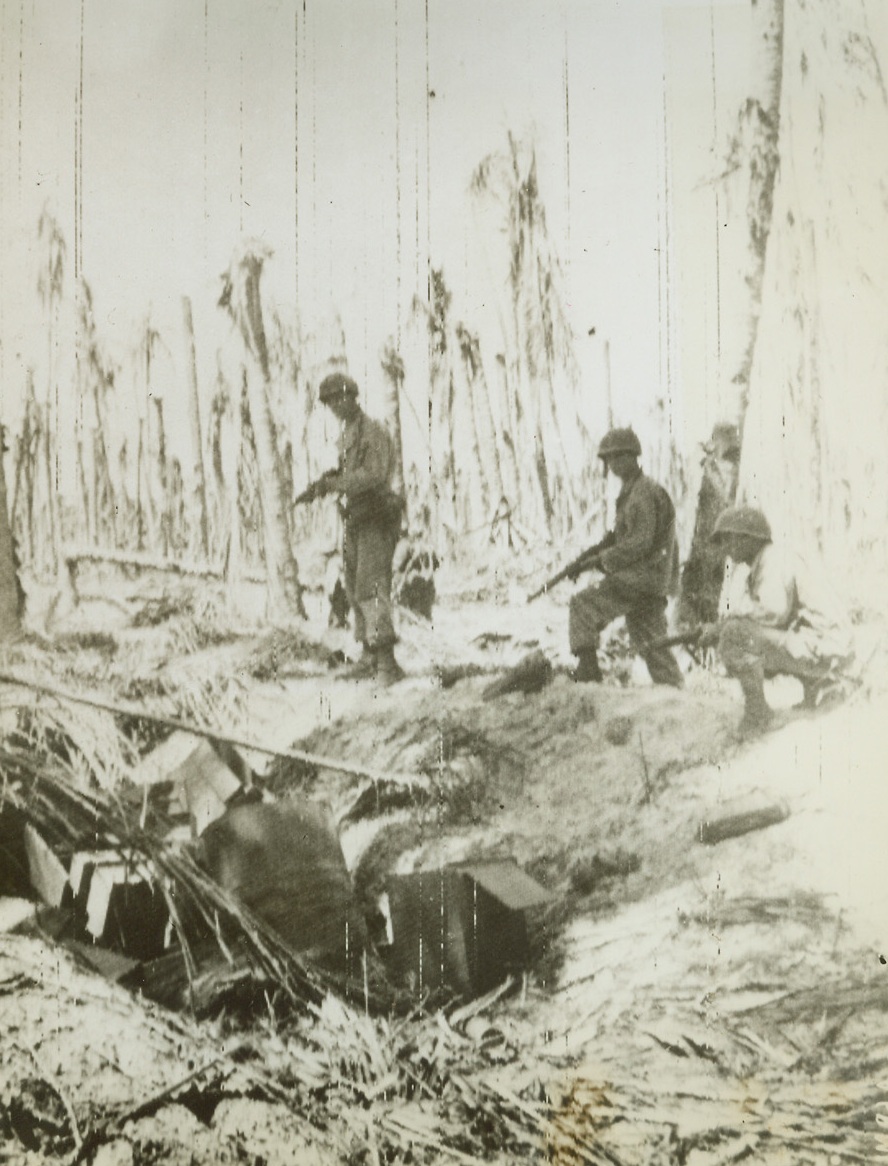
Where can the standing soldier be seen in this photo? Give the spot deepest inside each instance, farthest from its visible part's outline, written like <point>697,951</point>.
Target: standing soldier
<point>639,560</point>
<point>372,513</point>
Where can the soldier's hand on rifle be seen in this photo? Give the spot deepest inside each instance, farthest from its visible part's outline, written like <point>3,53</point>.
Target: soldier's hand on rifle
<point>328,483</point>
<point>577,569</point>
<point>325,484</point>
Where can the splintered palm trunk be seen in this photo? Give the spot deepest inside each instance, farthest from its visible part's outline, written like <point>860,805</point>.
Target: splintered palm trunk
<point>196,430</point>
<point>532,446</point>
<point>242,297</point>
<point>10,588</point>
<point>393,368</point>
<point>163,476</point>
<point>235,500</point>
<point>485,450</point>
<point>510,433</point>
<point>50,285</point>
<point>444,484</point>
<point>141,493</point>
<point>749,184</point>
<point>23,495</point>
<point>83,490</point>
<point>50,454</point>
<point>107,503</point>
<point>552,329</point>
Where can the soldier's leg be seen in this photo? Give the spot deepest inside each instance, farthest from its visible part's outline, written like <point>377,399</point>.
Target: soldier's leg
<point>373,587</point>
<point>365,666</point>
<point>744,650</point>
<point>815,673</point>
<point>350,549</point>
<point>646,622</point>
<point>591,610</point>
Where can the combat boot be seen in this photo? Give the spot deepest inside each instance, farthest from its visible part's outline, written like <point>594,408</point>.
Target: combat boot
<point>758,716</point>
<point>388,670</point>
<point>587,670</point>
<point>364,668</point>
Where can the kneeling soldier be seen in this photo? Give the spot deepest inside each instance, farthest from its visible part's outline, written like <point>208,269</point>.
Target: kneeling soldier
<point>770,627</point>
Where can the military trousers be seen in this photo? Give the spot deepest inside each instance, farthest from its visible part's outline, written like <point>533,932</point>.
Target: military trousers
<point>368,548</point>
<point>746,646</point>
<point>592,609</point>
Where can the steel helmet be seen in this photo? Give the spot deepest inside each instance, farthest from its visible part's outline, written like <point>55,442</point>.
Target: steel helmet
<point>337,384</point>
<point>619,441</point>
<point>743,520</point>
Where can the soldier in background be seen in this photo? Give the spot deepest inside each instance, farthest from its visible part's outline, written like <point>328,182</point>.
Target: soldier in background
<point>639,560</point>
<point>372,524</point>
<point>779,620</point>
<point>703,572</point>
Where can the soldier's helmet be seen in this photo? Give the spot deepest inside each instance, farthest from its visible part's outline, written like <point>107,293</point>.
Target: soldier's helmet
<point>743,520</point>
<point>337,384</point>
<point>619,441</point>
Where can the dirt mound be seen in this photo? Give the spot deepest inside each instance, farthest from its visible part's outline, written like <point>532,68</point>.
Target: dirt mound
<point>561,780</point>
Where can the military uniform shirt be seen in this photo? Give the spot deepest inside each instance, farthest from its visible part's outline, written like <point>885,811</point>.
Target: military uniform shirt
<point>644,551</point>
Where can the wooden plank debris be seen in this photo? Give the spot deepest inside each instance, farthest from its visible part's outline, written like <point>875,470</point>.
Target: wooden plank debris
<point>460,928</point>
<point>49,878</point>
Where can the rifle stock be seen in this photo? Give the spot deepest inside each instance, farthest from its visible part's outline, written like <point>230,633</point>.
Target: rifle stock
<point>688,637</point>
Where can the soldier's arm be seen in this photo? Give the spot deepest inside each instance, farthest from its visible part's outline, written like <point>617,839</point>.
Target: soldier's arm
<point>373,467</point>
<point>639,538</point>
<point>770,597</point>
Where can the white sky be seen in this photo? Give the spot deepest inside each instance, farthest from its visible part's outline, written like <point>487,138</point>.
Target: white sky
<point>189,134</point>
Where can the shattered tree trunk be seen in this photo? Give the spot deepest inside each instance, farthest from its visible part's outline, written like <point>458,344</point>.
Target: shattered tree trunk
<point>745,207</point>
<point>242,298</point>
<point>816,428</point>
<point>196,429</point>
<point>11,595</point>
<point>393,368</point>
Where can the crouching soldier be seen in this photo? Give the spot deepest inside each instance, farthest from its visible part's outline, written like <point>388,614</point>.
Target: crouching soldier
<point>773,625</point>
<point>372,513</point>
<point>639,560</point>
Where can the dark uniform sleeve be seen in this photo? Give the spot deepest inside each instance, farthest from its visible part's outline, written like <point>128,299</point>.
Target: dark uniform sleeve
<point>368,465</point>
<point>635,536</point>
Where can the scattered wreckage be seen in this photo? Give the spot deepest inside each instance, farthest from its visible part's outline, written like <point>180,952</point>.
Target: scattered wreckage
<point>193,881</point>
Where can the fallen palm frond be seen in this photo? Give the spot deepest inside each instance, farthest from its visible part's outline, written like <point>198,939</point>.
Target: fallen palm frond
<point>315,760</point>
<point>89,739</point>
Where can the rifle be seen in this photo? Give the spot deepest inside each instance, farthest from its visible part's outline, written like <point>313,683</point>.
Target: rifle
<point>315,489</point>
<point>583,562</point>
<point>688,637</point>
